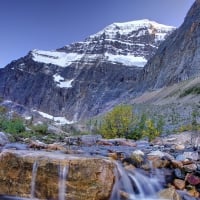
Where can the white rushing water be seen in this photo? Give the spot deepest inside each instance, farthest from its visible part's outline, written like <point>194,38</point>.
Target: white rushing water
<point>63,171</point>
<point>33,181</point>
<point>134,185</point>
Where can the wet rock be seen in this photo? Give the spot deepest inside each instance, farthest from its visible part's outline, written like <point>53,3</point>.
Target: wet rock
<point>192,179</point>
<point>179,173</point>
<point>180,157</point>
<point>113,155</point>
<point>137,157</point>
<point>191,155</point>
<point>87,178</point>
<point>124,142</point>
<point>180,147</point>
<point>158,162</point>
<point>169,193</point>
<point>104,142</point>
<point>193,192</point>
<point>160,154</point>
<point>37,144</point>
<point>55,147</point>
<point>89,140</point>
<point>177,164</point>
<point>17,146</point>
<point>190,167</point>
<point>179,184</point>
<point>138,152</point>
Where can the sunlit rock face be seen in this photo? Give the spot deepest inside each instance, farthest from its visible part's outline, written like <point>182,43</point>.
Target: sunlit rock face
<point>85,178</point>
<point>86,78</point>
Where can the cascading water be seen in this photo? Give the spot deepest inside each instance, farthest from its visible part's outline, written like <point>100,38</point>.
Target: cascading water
<point>63,171</point>
<point>134,185</point>
<point>33,181</point>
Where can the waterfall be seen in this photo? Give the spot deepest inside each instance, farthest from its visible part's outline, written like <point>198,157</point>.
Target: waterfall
<point>34,174</point>
<point>63,171</point>
<point>134,185</point>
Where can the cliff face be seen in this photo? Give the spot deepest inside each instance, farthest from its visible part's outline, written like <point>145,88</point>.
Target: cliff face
<point>86,78</point>
<point>178,57</point>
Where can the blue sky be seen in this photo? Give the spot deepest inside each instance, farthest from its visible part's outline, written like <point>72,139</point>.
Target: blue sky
<point>51,24</point>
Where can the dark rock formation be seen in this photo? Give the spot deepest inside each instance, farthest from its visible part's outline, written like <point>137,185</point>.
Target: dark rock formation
<point>178,57</point>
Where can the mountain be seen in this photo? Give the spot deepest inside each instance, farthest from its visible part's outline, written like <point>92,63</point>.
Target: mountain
<point>86,78</point>
<point>178,57</point>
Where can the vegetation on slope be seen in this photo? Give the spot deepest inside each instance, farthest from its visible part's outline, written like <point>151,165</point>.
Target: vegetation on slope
<point>195,90</point>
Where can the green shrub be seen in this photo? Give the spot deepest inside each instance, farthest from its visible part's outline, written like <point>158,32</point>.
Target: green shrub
<point>191,90</point>
<point>151,131</point>
<point>40,129</point>
<point>12,126</point>
<point>117,122</point>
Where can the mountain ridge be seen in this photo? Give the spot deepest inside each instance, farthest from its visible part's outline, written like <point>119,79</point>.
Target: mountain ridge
<point>84,79</point>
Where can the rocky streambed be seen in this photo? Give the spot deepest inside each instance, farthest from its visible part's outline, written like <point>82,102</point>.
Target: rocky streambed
<point>89,167</point>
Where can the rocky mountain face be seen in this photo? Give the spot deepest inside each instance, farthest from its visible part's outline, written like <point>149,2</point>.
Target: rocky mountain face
<point>178,57</point>
<point>85,78</point>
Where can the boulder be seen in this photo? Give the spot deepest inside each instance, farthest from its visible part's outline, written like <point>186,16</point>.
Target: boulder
<point>86,178</point>
<point>179,184</point>
<point>192,179</point>
<point>3,139</point>
<point>169,193</point>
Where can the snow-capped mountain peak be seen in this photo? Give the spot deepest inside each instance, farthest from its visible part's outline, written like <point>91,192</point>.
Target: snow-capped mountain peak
<point>129,43</point>
<point>131,26</point>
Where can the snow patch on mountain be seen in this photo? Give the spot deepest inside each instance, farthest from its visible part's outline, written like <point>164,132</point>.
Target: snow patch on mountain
<point>56,58</point>
<point>126,43</point>
<point>128,60</point>
<point>64,59</point>
<point>57,120</point>
<point>61,82</point>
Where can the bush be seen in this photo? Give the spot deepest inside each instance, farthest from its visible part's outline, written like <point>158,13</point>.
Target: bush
<point>151,131</point>
<point>40,129</point>
<point>12,126</point>
<point>118,122</point>
<point>192,90</point>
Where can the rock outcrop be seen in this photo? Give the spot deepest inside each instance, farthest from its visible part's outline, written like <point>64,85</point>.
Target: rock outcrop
<point>178,57</point>
<point>86,177</point>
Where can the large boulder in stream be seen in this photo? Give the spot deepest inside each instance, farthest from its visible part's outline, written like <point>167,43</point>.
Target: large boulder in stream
<point>47,175</point>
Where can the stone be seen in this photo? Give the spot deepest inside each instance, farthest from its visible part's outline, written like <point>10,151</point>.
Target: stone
<point>192,179</point>
<point>138,152</point>
<point>55,147</point>
<point>88,140</point>
<point>179,184</point>
<point>193,192</point>
<point>177,164</point>
<point>180,147</point>
<point>179,173</point>
<point>180,157</point>
<point>87,178</point>
<point>190,167</point>
<point>3,139</point>
<point>157,162</point>
<point>137,157</point>
<point>169,193</point>
<point>37,144</point>
<point>191,155</point>
<point>160,154</point>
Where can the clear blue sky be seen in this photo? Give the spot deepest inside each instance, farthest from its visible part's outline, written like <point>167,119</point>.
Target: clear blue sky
<point>50,24</point>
